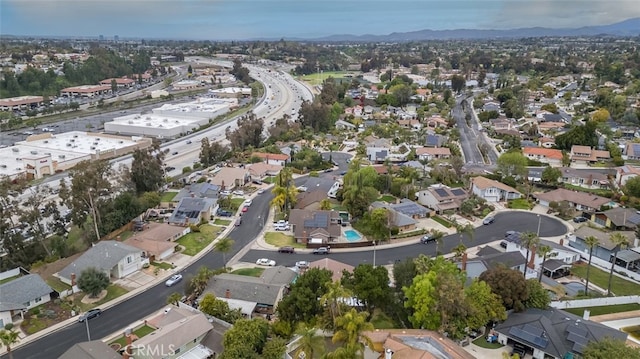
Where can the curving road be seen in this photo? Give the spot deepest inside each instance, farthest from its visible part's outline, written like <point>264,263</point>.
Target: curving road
<point>506,221</point>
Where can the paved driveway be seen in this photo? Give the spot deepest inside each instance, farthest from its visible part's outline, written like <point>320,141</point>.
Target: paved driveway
<point>135,280</point>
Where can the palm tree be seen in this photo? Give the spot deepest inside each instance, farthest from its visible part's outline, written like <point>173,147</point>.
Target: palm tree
<point>544,251</point>
<point>621,242</point>
<point>467,229</point>
<point>9,337</point>
<point>349,327</point>
<point>224,246</point>
<point>438,237</point>
<point>331,300</point>
<point>591,242</point>
<point>174,298</point>
<point>459,251</point>
<point>310,343</point>
<point>528,240</point>
<point>201,279</point>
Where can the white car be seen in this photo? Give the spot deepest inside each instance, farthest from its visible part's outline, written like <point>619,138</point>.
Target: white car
<point>173,280</point>
<point>266,262</point>
<point>302,264</point>
<point>248,203</point>
<point>261,191</point>
<point>238,193</point>
<point>302,189</point>
<point>225,193</point>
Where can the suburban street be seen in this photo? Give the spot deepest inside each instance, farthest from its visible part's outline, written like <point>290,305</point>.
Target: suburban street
<point>468,135</point>
<point>519,221</point>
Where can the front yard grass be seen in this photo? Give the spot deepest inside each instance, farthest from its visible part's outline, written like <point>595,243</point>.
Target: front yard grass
<point>163,265</point>
<point>597,276</point>
<point>442,221</point>
<point>605,309</point>
<point>520,203</point>
<point>236,203</point>
<point>194,242</point>
<point>113,292</point>
<point>250,272</point>
<point>222,222</point>
<point>482,342</point>
<point>278,239</point>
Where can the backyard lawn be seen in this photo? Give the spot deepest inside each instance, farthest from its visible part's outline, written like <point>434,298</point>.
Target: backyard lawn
<point>387,198</point>
<point>597,276</point>
<point>140,332</point>
<point>280,240</point>
<point>194,242</point>
<point>113,292</point>
<point>168,196</point>
<point>251,272</point>
<point>605,309</point>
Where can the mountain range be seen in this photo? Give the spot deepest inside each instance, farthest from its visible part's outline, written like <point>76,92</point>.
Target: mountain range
<point>630,27</point>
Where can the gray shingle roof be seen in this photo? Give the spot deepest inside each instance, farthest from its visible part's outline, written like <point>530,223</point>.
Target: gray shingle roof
<point>554,331</point>
<point>22,290</point>
<point>200,190</point>
<point>410,208</point>
<point>278,275</point>
<point>90,350</point>
<point>103,255</point>
<point>191,208</point>
<point>244,288</point>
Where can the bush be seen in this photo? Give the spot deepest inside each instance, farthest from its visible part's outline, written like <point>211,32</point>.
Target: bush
<point>194,228</point>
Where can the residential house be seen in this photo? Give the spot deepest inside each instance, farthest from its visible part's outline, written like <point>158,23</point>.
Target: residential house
<point>546,142</point>
<point>344,125</point>
<point>198,190</point>
<point>562,256</point>
<point>431,153</point>
<point>95,349</point>
<point>414,344</point>
<point>327,185</point>
<point>619,218</point>
<point>502,124</point>
<point>547,127</point>
<point>397,219</point>
<point>320,227</point>
<point>411,124</point>
<point>114,258</point>
<point>437,121</point>
<point>228,178</point>
<point>605,248</point>
<point>192,210</point>
<point>544,155</point>
<point>442,198</point>
<point>632,150</point>
<point>586,155</point>
<point>278,159</point>
<point>553,333</point>
<point>411,209</point>
<point>310,200</point>
<point>435,140</point>
<point>262,170</point>
<point>261,294</point>
<point>156,240</point>
<point>418,166</point>
<point>490,258</point>
<point>581,201</point>
<point>179,334</point>
<point>332,265</point>
<point>493,191</point>
<point>20,294</point>
<point>584,178</point>
<point>625,173</point>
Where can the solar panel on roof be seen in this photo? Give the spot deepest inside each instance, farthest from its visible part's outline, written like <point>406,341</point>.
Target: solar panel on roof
<point>533,330</point>
<point>529,337</point>
<point>457,192</point>
<point>442,192</point>
<point>636,148</point>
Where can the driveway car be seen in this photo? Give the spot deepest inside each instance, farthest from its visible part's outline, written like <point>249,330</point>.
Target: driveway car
<point>90,314</point>
<point>261,191</point>
<point>266,262</point>
<point>427,239</point>
<point>580,219</point>
<point>321,250</point>
<point>225,193</point>
<point>173,280</point>
<point>224,213</point>
<point>302,264</point>
<point>286,249</point>
<point>488,220</point>
<point>238,193</point>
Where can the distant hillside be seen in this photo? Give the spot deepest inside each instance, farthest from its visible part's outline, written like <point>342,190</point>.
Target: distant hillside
<point>629,27</point>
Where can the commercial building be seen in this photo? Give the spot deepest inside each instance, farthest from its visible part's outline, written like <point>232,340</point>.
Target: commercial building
<point>47,153</point>
<point>121,82</point>
<point>86,91</point>
<point>21,103</point>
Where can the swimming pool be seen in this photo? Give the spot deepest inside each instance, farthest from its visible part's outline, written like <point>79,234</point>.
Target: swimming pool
<point>352,236</point>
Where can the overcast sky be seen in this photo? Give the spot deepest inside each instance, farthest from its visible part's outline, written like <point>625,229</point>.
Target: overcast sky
<point>250,19</point>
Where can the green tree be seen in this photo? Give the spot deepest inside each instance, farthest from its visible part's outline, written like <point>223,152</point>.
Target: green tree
<point>213,306</point>
<point>302,304</point>
<point>93,281</point>
<point>509,285</point>
<point>224,246</point>
<point>513,164</point>
<point>146,172</point>
<point>543,251</point>
<point>333,304</point>
<point>200,280</point>
<point>245,339</point>
<point>284,191</point>
<point>621,242</point>
<point>484,305</point>
<point>538,297</point>
<point>114,86</point>
<point>174,298</point>
<point>275,348</point>
<point>311,343</point>
<point>88,180</point>
<point>9,337</point>
<point>369,284</point>
<point>632,187</point>
<point>606,348</point>
<point>528,240</point>
<point>457,83</point>
<point>550,175</point>
<point>349,328</point>
<point>600,115</point>
<point>325,205</point>
<point>591,242</point>
<point>359,189</point>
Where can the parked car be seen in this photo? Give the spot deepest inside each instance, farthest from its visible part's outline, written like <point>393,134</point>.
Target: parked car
<point>257,181</point>
<point>266,262</point>
<point>321,250</point>
<point>504,244</point>
<point>245,209</point>
<point>261,191</point>
<point>90,314</point>
<point>174,153</point>
<point>169,168</point>
<point>188,142</point>
<point>238,222</point>
<point>238,193</point>
<point>248,203</point>
<point>286,249</point>
<point>302,264</point>
<point>224,213</point>
<point>225,193</point>
<point>580,219</point>
<point>173,280</point>
<point>488,220</point>
<point>302,189</point>
<point>427,239</point>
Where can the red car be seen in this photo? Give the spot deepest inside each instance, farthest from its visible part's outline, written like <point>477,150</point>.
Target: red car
<point>245,209</point>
